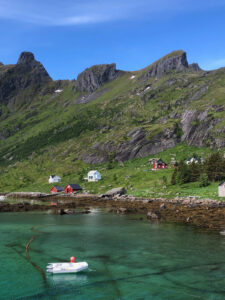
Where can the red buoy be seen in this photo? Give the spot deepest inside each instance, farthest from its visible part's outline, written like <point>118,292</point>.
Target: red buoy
<point>72,259</point>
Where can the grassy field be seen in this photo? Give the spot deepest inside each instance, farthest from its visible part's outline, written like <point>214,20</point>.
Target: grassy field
<point>135,175</point>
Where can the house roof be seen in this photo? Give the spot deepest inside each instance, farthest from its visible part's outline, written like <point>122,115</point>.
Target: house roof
<point>59,188</point>
<point>222,183</point>
<point>92,172</point>
<point>75,186</point>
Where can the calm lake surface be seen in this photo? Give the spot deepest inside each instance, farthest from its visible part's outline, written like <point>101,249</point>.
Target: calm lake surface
<point>128,258</point>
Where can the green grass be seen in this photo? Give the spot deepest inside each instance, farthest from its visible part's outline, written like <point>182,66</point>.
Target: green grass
<point>135,175</point>
<point>46,132</point>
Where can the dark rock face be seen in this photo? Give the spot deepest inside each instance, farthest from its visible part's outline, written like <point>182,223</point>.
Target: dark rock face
<point>26,58</point>
<point>27,72</point>
<point>138,146</point>
<point>1,64</point>
<point>93,78</point>
<point>141,146</point>
<point>197,127</point>
<point>195,67</point>
<point>177,62</point>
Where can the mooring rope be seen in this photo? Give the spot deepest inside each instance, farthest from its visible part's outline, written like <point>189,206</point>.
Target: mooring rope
<point>29,259</point>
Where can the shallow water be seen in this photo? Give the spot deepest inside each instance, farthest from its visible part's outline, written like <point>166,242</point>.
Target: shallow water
<point>128,258</point>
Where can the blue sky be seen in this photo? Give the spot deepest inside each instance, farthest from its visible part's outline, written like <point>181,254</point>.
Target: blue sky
<point>69,35</point>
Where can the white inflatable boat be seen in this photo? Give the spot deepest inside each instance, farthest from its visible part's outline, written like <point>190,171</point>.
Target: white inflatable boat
<point>66,267</point>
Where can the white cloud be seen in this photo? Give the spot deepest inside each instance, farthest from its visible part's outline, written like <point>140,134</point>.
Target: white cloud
<point>75,12</point>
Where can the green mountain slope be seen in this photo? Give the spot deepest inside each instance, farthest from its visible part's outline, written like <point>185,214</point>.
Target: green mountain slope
<point>104,115</point>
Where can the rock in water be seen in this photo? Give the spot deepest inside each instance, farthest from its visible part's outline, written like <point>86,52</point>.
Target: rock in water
<point>152,216</point>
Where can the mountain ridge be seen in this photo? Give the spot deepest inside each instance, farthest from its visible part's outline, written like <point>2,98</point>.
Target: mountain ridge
<point>108,114</point>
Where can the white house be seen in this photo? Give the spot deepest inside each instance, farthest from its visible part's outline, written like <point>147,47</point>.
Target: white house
<point>54,178</point>
<point>94,175</point>
<point>194,160</point>
<point>221,189</point>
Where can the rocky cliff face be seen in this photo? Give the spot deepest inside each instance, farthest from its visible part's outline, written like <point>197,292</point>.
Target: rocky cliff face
<point>141,115</point>
<point>15,78</point>
<point>139,145</point>
<point>195,67</point>
<point>93,78</point>
<point>175,61</point>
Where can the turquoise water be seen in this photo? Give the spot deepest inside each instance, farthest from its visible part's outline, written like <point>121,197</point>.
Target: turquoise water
<point>128,258</point>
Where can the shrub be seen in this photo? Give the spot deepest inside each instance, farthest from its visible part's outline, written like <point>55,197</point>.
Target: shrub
<point>174,176</point>
<point>204,180</point>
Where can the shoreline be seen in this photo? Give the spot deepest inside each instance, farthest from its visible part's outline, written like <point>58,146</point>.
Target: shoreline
<point>208,214</point>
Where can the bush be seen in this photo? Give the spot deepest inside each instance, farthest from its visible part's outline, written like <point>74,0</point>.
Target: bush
<point>183,173</point>
<point>174,176</point>
<point>164,179</point>
<point>204,180</point>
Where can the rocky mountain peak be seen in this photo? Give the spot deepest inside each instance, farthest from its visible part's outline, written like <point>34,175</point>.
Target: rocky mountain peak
<point>195,67</point>
<point>176,60</point>
<point>1,64</point>
<point>26,73</point>
<point>26,58</point>
<point>94,77</point>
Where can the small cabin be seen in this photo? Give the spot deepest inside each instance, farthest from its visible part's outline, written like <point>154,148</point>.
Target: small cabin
<point>191,160</point>
<point>71,188</point>
<point>54,178</point>
<point>159,164</point>
<point>221,189</point>
<point>57,189</point>
<point>94,175</point>
<point>153,160</point>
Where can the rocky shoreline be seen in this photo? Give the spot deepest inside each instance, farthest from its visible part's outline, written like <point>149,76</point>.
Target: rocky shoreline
<point>202,213</point>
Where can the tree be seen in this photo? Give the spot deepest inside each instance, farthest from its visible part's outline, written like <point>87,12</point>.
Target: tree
<point>195,171</point>
<point>204,180</point>
<point>183,173</point>
<point>215,167</point>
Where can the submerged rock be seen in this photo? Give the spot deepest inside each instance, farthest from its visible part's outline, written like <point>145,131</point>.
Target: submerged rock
<point>152,216</point>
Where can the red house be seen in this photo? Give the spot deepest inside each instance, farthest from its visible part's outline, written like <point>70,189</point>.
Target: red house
<point>159,164</point>
<point>57,189</point>
<point>70,188</point>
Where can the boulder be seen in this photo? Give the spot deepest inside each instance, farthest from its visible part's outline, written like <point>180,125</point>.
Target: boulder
<point>69,211</point>
<point>122,210</point>
<point>115,191</point>
<point>162,206</point>
<point>152,216</point>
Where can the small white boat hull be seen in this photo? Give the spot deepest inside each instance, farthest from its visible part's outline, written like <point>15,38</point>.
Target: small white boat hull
<point>60,268</point>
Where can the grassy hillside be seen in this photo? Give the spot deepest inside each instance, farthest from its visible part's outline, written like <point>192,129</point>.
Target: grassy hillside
<point>44,132</point>
<point>136,175</point>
